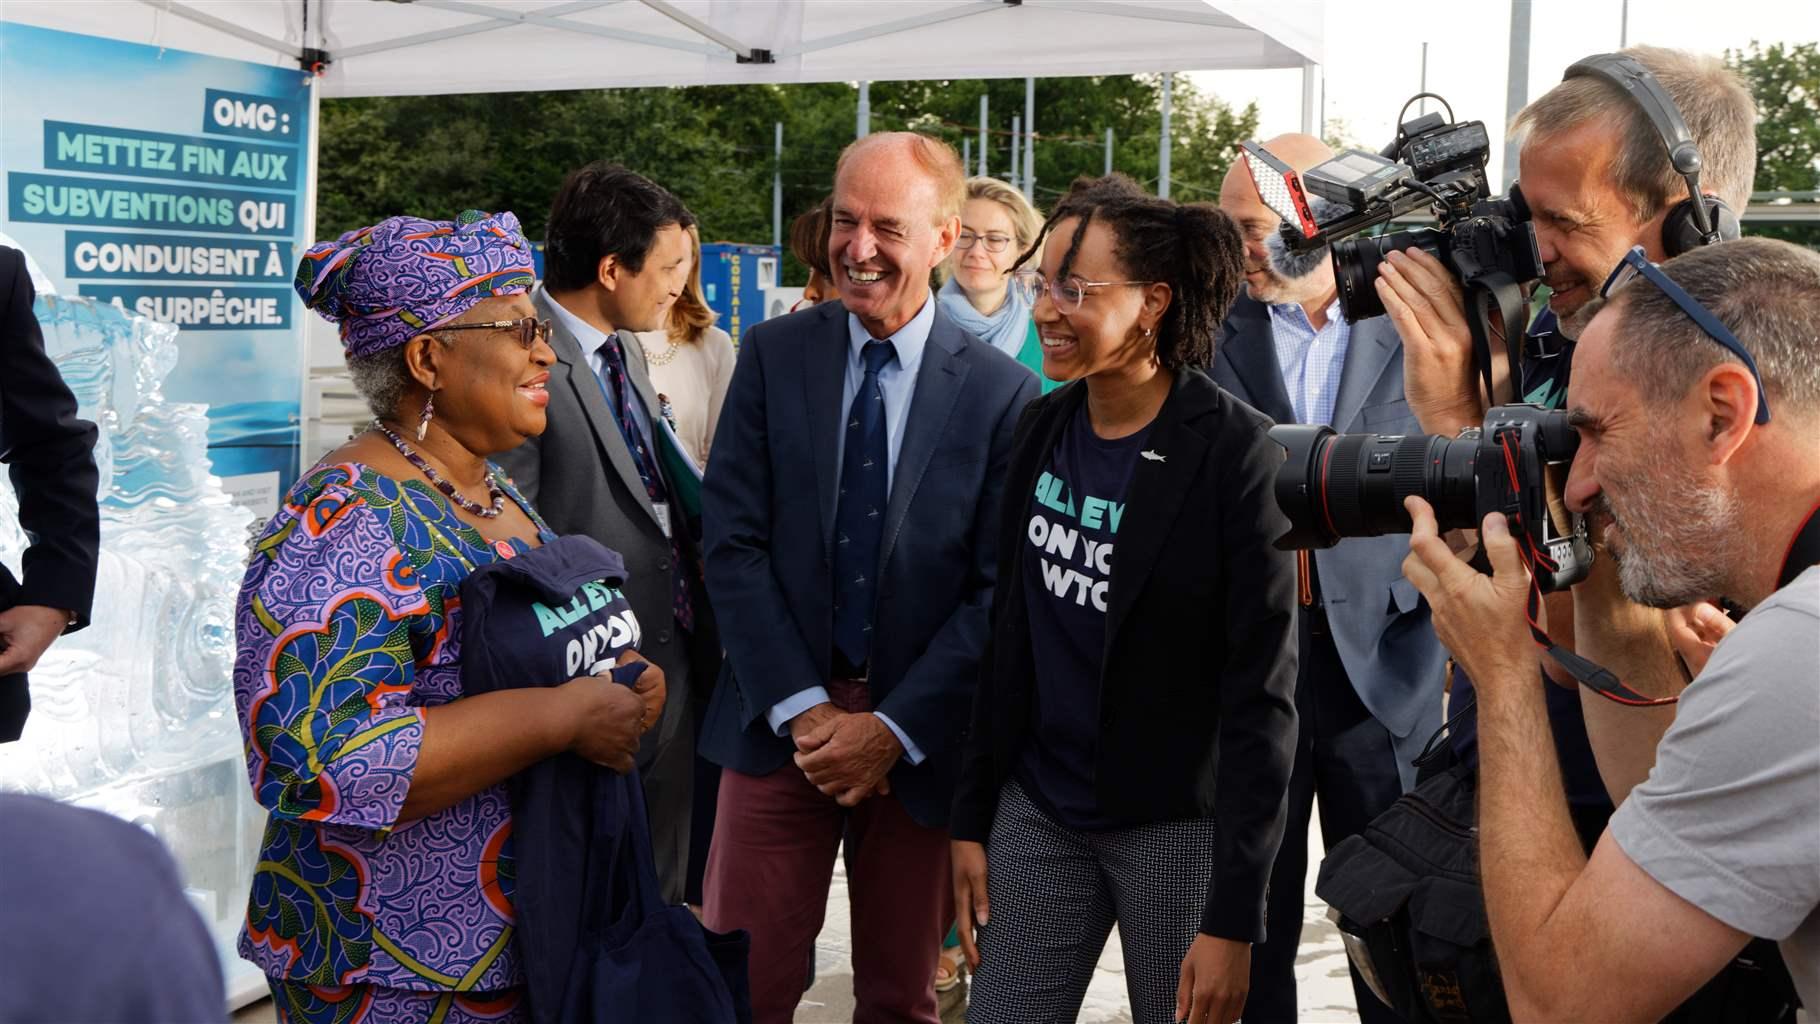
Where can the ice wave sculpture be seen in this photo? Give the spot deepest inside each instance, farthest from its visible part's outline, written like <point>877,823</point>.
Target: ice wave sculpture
<point>144,691</point>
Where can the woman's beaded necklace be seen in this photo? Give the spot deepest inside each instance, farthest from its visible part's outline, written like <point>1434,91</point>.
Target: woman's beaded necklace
<point>448,489</point>
<point>664,358</point>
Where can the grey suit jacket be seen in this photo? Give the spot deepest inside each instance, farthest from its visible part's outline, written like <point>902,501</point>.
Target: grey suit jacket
<point>1380,624</point>
<point>581,477</point>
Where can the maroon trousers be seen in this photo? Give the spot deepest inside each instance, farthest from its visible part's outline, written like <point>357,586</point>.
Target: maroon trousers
<point>775,840</point>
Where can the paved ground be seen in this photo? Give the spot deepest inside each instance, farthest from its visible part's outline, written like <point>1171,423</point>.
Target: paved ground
<point>1324,990</point>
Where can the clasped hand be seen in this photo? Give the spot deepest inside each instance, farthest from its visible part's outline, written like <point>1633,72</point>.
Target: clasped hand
<point>26,632</point>
<point>847,756</point>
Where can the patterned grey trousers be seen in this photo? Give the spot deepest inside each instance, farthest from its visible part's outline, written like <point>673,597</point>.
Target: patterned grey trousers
<point>1055,894</point>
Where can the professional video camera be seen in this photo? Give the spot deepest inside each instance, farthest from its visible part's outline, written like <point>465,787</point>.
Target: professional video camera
<point>1487,242</point>
<point>1334,486</point>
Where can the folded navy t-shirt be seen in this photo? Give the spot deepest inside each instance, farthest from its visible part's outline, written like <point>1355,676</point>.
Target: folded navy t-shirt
<point>542,618</point>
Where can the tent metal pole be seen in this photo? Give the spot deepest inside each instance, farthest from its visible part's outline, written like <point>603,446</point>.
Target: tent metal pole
<point>891,28</point>
<point>966,153</point>
<point>863,125</point>
<point>1310,72</point>
<point>1108,151</point>
<point>1162,159</point>
<point>1516,87</point>
<point>1029,138</point>
<point>1017,134</point>
<point>985,146</point>
<point>707,31</point>
<point>223,25</point>
<point>549,17</point>
<point>777,189</point>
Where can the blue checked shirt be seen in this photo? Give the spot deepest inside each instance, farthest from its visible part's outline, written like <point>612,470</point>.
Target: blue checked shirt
<point>1311,360</point>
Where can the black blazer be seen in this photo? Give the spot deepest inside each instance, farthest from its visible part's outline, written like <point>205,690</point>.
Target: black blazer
<point>768,506</point>
<point>50,458</point>
<point>1197,692</point>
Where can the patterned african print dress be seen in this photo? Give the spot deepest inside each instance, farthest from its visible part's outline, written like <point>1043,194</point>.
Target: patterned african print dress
<point>348,626</point>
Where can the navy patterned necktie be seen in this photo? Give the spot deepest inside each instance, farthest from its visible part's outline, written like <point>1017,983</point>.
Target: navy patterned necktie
<point>859,518</point>
<point>623,396</point>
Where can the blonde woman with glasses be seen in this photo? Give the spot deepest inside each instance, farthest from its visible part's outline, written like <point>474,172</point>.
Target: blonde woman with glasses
<point>997,224</point>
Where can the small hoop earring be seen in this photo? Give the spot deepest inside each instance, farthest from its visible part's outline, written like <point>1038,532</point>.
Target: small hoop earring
<point>429,410</point>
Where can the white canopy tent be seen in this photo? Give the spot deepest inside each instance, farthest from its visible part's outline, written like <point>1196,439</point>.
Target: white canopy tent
<point>416,47</point>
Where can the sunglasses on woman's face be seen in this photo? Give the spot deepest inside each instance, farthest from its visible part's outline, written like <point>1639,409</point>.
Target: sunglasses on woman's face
<point>527,332</point>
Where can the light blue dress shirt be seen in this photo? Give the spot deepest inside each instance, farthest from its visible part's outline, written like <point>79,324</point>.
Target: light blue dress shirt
<point>591,339</point>
<point>898,382</point>
<point>1311,361</point>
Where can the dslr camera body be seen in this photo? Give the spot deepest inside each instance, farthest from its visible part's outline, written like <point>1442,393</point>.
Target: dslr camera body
<point>1333,486</point>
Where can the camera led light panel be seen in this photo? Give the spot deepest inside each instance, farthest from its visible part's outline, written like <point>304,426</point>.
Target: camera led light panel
<point>1279,187</point>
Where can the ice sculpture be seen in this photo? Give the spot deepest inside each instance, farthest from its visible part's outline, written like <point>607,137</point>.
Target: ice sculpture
<point>134,715</point>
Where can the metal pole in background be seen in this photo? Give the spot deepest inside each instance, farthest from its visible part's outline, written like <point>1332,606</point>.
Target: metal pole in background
<point>777,190</point>
<point>1423,109</point>
<point>1624,26</point>
<point>1516,89</point>
<point>985,147</point>
<point>1017,134</point>
<point>1029,138</point>
<point>1311,124</point>
<point>863,127</point>
<point>966,153</point>
<point>1162,160</point>
<point>1108,151</point>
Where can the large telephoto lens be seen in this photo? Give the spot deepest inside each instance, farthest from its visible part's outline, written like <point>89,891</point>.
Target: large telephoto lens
<point>1355,267</point>
<point>1333,486</point>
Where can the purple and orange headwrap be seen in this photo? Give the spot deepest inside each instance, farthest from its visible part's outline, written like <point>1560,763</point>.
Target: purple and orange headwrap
<point>404,275</point>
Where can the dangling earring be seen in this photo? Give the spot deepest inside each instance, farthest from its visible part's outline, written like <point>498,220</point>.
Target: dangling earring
<point>429,410</point>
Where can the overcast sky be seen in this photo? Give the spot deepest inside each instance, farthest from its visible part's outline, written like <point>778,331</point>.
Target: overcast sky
<point>1374,54</point>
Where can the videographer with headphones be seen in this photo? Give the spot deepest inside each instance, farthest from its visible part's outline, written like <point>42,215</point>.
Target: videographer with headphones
<point>1608,159</point>
<point>1696,397</point>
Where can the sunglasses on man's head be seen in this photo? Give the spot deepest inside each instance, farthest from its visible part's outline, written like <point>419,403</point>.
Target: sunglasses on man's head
<point>1637,264</point>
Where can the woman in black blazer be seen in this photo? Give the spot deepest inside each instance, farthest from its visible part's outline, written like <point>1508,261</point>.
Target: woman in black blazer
<point>1128,703</point>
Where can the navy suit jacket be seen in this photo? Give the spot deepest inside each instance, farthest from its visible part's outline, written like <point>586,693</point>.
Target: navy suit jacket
<point>49,456</point>
<point>768,504</point>
<point>1380,623</point>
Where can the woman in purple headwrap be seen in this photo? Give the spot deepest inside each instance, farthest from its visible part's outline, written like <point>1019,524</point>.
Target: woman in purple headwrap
<point>384,888</point>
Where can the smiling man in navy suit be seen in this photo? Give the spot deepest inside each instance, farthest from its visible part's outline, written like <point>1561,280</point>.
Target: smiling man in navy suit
<point>1368,686</point>
<point>849,525</point>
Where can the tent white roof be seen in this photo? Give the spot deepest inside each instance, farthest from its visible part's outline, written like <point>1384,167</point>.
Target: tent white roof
<point>415,47</point>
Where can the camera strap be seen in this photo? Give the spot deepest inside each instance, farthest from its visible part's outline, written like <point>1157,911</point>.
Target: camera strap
<point>1803,551</point>
<point>1584,671</point>
<point>1500,288</point>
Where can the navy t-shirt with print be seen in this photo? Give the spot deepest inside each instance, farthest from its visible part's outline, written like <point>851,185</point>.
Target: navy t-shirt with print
<point>1071,527</point>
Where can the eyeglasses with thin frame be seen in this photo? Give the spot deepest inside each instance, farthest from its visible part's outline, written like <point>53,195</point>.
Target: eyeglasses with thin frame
<point>1637,264</point>
<point>530,329</point>
<point>995,242</point>
<point>1066,294</point>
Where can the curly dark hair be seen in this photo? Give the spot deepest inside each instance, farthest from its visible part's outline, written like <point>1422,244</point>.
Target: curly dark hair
<point>1192,247</point>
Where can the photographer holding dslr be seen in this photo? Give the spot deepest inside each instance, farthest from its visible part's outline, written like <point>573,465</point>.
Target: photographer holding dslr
<point>1696,398</point>
<point>1597,175</point>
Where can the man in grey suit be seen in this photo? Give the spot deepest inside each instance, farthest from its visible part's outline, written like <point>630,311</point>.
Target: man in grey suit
<point>617,253</point>
<point>1369,683</point>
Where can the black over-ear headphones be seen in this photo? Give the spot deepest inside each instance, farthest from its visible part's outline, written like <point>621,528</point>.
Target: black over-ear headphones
<point>1699,219</point>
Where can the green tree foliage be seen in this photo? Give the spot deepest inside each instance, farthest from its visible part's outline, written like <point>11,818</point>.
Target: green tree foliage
<point>1785,80</point>
<point>714,145</point>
